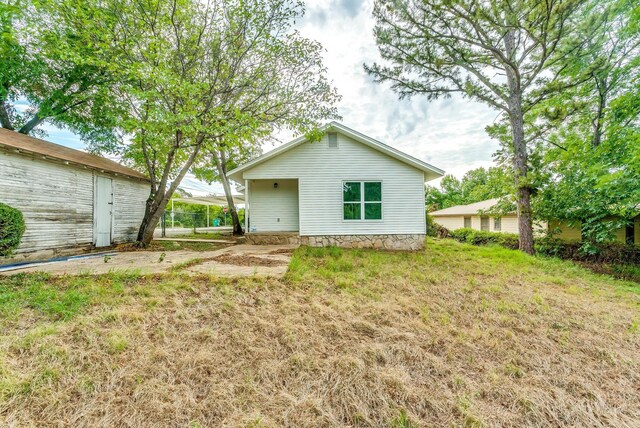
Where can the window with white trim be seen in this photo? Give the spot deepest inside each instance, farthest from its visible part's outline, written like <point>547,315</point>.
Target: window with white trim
<point>362,200</point>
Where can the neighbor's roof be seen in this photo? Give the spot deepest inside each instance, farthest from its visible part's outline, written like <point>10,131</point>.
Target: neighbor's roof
<point>26,144</point>
<point>431,170</point>
<point>471,209</point>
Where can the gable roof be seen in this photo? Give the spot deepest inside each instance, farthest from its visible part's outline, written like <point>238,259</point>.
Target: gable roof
<point>471,209</point>
<point>431,171</point>
<point>25,144</point>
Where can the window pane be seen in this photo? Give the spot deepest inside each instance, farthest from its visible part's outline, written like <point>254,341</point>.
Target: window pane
<point>373,192</point>
<point>373,211</point>
<point>352,211</point>
<point>484,223</point>
<point>467,222</point>
<point>351,191</point>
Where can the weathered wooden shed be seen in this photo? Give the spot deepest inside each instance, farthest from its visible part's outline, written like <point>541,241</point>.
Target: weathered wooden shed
<point>71,201</point>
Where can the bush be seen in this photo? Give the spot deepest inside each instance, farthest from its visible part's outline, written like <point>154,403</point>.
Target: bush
<point>11,229</point>
<point>611,252</point>
<point>481,237</point>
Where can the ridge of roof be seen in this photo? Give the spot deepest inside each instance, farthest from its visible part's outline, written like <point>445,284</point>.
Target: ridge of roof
<point>373,143</point>
<point>25,143</point>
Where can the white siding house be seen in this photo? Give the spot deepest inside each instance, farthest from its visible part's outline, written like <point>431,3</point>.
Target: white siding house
<point>71,201</point>
<point>300,187</point>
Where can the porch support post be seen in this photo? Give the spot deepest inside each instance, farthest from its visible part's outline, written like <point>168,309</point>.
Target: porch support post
<point>246,206</point>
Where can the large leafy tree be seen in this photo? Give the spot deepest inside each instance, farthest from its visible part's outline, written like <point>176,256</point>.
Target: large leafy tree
<point>499,52</point>
<point>591,161</point>
<point>61,70</point>
<point>197,73</point>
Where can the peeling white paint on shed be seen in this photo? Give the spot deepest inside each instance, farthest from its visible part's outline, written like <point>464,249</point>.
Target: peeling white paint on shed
<point>56,199</point>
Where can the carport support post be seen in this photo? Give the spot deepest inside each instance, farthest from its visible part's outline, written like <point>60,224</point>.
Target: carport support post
<point>172,215</point>
<point>208,216</point>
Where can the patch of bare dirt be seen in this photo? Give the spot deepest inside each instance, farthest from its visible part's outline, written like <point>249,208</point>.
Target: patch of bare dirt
<point>247,260</point>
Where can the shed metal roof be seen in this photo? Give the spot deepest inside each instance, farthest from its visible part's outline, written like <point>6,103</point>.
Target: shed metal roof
<point>26,144</point>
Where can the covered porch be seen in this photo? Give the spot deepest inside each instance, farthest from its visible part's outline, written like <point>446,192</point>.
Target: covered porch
<point>272,207</point>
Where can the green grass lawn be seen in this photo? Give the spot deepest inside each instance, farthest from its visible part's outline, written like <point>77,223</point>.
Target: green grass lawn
<point>453,336</point>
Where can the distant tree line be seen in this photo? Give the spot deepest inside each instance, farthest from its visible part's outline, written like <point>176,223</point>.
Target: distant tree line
<point>476,185</point>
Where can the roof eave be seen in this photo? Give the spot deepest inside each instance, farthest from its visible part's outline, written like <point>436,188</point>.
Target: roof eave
<point>77,164</point>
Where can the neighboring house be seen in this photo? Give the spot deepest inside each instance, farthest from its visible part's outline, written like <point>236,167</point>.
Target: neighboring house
<point>347,190</point>
<point>71,200</point>
<point>474,216</point>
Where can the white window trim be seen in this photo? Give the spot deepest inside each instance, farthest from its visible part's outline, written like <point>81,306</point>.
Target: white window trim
<point>362,202</point>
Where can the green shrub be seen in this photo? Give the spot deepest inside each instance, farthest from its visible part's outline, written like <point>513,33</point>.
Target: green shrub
<point>461,234</point>
<point>481,237</point>
<point>611,252</point>
<point>11,229</point>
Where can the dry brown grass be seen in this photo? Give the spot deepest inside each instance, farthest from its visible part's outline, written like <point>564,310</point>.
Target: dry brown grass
<point>454,336</point>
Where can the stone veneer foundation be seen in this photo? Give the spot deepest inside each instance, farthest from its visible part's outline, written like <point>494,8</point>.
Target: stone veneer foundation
<point>387,242</point>
<point>272,238</point>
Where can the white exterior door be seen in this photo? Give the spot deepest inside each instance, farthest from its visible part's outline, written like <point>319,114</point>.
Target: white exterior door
<point>103,211</point>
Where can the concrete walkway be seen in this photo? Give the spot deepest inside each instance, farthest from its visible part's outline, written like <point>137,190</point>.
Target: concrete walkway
<point>233,261</point>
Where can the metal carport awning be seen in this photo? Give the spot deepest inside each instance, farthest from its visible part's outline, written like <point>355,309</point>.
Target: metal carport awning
<point>220,201</point>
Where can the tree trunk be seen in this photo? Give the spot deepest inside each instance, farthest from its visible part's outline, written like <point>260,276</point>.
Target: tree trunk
<point>32,123</point>
<point>221,165</point>
<point>159,198</point>
<point>599,117</point>
<point>5,120</point>
<point>520,155</point>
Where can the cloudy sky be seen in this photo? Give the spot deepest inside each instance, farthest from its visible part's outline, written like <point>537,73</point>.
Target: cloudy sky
<point>447,133</point>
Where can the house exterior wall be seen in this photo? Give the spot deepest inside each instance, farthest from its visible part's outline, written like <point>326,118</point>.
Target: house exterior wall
<point>564,231</point>
<point>451,223</point>
<point>56,201</point>
<point>508,223</point>
<point>273,209</point>
<point>321,171</point>
<point>573,233</point>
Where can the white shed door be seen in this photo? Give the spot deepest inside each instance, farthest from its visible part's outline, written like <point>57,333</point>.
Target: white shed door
<point>103,211</point>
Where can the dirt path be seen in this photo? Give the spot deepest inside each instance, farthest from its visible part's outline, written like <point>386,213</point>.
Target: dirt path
<point>236,261</point>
